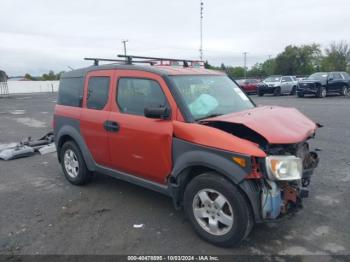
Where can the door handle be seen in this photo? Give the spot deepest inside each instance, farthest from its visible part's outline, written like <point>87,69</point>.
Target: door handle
<point>111,126</point>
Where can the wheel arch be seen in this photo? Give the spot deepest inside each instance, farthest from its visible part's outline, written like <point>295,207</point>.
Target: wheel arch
<point>69,133</point>
<point>250,190</point>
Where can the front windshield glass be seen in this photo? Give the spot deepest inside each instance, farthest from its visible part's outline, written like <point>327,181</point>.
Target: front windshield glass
<point>209,96</point>
<point>318,76</point>
<point>273,79</point>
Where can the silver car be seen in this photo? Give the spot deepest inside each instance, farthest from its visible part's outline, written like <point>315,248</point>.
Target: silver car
<point>277,85</point>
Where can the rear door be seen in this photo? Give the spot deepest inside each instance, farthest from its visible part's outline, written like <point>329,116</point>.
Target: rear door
<point>95,113</point>
<point>285,84</point>
<point>338,81</point>
<point>141,146</point>
<point>332,82</point>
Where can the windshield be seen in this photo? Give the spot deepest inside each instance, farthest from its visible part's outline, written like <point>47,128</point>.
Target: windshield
<point>273,79</point>
<point>318,76</point>
<point>208,96</point>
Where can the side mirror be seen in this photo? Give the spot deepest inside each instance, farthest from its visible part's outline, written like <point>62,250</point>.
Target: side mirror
<point>330,79</point>
<point>157,112</point>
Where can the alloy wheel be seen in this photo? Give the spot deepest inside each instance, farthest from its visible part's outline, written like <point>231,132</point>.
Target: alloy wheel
<point>213,212</point>
<point>71,163</point>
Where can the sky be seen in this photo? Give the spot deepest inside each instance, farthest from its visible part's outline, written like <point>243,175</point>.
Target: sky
<point>41,35</point>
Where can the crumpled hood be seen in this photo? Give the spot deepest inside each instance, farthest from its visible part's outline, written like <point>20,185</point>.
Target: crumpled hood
<point>278,125</point>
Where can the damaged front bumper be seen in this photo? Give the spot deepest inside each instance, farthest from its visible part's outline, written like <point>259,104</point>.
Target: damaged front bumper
<point>280,198</point>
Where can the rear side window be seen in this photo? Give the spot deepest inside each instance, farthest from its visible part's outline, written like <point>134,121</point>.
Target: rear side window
<point>98,89</point>
<point>337,76</point>
<point>70,92</point>
<point>345,75</point>
<point>135,94</point>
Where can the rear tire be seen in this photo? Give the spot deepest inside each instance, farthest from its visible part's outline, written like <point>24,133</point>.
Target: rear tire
<point>217,210</point>
<point>294,90</point>
<point>277,91</point>
<point>73,164</point>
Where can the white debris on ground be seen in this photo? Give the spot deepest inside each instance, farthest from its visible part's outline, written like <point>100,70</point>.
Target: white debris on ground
<point>16,152</point>
<point>9,145</point>
<point>50,148</point>
<point>28,147</point>
<point>138,225</point>
<point>17,112</point>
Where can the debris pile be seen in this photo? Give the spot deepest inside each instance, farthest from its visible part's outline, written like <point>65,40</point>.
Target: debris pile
<point>28,147</point>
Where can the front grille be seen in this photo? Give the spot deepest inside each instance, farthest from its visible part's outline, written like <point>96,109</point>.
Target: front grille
<point>307,85</point>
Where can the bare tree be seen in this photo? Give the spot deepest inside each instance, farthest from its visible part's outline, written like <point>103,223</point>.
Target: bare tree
<point>337,57</point>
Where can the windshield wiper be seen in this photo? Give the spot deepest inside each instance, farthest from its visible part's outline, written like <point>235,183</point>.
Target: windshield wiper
<point>209,116</point>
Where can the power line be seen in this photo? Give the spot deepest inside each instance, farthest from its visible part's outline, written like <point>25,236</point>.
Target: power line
<point>201,30</point>
<point>124,43</point>
<point>245,64</point>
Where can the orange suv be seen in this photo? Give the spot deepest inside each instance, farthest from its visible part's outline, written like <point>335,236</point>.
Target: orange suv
<point>172,126</point>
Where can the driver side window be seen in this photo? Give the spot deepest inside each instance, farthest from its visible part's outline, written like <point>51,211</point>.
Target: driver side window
<point>135,94</point>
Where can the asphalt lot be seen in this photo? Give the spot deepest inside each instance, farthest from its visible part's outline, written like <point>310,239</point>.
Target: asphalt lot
<point>41,213</point>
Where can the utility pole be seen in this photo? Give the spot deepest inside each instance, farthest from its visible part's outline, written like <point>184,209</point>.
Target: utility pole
<point>201,30</point>
<point>245,64</point>
<point>124,43</point>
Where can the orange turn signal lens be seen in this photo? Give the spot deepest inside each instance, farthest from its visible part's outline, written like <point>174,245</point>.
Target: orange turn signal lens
<point>240,161</point>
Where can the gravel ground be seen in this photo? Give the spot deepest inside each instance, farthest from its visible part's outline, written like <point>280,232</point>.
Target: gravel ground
<point>41,213</point>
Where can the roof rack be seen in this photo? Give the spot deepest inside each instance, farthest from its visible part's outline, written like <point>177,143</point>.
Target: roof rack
<point>162,60</point>
<point>130,59</point>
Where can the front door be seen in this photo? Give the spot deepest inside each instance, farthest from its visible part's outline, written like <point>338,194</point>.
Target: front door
<point>142,146</point>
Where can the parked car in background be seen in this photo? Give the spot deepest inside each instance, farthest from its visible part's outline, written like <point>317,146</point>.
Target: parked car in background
<point>322,83</point>
<point>248,85</point>
<point>277,85</point>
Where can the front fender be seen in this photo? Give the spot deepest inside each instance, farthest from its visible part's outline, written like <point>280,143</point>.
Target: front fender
<point>186,154</point>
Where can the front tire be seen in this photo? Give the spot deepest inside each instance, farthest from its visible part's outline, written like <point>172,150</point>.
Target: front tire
<point>344,91</point>
<point>73,164</point>
<point>260,93</point>
<point>277,91</point>
<point>321,92</point>
<point>217,210</point>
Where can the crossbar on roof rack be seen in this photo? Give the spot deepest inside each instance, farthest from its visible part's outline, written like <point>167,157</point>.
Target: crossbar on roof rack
<point>97,60</point>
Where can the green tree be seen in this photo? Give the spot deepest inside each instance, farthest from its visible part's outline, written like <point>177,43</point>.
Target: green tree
<point>337,57</point>
<point>29,77</point>
<point>235,72</point>
<point>296,60</point>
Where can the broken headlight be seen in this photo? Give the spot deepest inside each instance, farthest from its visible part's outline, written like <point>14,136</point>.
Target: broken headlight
<point>284,167</point>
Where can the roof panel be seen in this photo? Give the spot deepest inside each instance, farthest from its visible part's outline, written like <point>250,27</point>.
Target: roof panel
<point>160,70</point>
